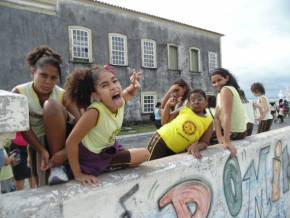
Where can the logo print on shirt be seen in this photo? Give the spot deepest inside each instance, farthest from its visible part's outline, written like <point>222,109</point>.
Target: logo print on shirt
<point>189,127</point>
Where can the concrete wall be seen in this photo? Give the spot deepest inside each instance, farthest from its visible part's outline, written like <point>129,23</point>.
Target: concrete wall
<point>22,30</point>
<point>13,112</point>
<point>255,184</point>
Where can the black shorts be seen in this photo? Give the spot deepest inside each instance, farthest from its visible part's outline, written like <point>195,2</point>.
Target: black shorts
<point>21,170</point>
<point>158,148</point>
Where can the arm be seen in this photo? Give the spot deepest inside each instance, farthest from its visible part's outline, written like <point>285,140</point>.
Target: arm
<point>168,95</point>
<point>33,141</point>
<point>218,127</point>
<point>87,121</point>
<point>166,115</point>
<point>227,104</point>
<point>72,108</point>
<point>130,92</point>
<point>202,143</point>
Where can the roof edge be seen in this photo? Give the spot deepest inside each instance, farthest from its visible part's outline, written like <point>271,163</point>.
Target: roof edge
<point>148,15</point>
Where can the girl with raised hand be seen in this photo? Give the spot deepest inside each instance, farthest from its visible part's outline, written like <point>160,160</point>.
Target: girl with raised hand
<point>92,146</point>
<point>175,99</point>
<point>230,115</point>
<point>190,131</point>
<point>49,112</point>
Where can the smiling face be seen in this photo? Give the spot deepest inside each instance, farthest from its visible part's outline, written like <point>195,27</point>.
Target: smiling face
<point>44,79</point>
<point>218,81</point>
<point>109,91</point>
<point>197,103</point>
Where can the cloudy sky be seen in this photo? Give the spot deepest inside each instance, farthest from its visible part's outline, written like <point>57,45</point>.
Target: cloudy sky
<point>256,45</point>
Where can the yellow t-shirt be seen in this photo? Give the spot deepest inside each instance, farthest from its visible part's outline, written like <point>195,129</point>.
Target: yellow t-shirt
<point>108,127</point>
<point>35,109</point>
<point>239,117</point>
<point>185,129</point>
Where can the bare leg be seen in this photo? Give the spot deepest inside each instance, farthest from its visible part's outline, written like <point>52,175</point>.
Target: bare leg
<point>138,156</point>
<point>32,182</point>
<point>54,117</point>
<point>19,184</point>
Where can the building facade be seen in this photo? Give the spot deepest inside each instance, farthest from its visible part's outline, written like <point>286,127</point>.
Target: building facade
<point>88,32</point>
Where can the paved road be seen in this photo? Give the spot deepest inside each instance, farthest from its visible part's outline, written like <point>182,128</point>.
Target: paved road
<point>141,140</point>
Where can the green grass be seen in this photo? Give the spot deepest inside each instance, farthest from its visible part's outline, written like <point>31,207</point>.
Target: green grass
<point>138,128</point>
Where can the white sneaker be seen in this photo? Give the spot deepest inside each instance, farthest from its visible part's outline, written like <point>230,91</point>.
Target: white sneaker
<point>57,176</point>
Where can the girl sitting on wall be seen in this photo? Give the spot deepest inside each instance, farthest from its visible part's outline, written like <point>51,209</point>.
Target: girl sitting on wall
<point>190,131</point>
<point>92,146</point>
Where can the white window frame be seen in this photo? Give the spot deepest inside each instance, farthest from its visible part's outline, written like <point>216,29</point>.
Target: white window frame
<point>74,58</point>
<point>212,64</point>
<point>124,37</point>
<point>143,54</point>
<point>145,94</point>
<point>168,56</point>
<point>199,59</point>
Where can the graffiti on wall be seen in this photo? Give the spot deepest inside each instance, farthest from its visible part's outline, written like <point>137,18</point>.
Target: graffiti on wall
<point>124,198</point>
<point>285,170</point>
<point>233,186</point>
<point>276,172</point>
<point>257,186</point>
<point>190,192</point>
<point>254,192</point>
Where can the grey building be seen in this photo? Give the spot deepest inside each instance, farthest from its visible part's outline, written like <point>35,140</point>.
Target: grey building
<point>89,32</point>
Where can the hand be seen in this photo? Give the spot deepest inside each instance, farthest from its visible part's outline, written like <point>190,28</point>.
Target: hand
<point>86,179</point>
<point>57,159</point>
<point>195,152</point>
<point>10,160</point>
<point>135,78</point>
<point>232,148</point>
<point>44,160</point>
<point>171,102</point>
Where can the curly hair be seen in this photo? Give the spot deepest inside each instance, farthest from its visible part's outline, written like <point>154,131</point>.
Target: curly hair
<point>79,85</point>
<point>43,55</point>
<point>81,82</point>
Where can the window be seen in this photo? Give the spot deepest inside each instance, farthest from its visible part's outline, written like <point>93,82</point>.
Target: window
<point>148,48</point>
<point>148,100</point>
<point>172,57</point>
<point>80,40</point>
<point>194,54</point>
<point>118,49</point>
<point>212,61</point>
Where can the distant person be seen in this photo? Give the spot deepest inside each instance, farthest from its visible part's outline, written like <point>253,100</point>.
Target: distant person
<point>50,116</point>
<point>273,111</point>
<point>264,107</point>
<point>92,146</point>
<point>157,115</point>
<point>286,108</point>
<point>230,115</point>
<point>190,131</point>
<point>177,96</point>
<point>281,110</point>
<point>249,108</point>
